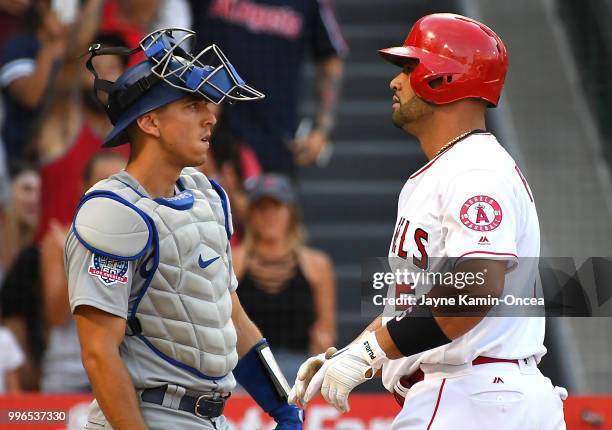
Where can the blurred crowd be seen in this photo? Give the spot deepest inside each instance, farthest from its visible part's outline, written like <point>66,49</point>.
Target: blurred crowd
<point>52,126</point>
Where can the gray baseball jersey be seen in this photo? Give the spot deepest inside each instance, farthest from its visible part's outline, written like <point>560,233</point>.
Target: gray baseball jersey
<point>165,266</point>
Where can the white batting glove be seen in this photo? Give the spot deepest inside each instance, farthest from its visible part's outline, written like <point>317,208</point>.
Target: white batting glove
<point>305,373</point>
<point>348,368</point>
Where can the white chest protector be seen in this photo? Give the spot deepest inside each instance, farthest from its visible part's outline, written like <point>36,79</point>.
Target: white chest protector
<point>182,309</point>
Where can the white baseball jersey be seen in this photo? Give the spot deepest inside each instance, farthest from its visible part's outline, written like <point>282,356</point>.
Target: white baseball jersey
<point>471,201</point>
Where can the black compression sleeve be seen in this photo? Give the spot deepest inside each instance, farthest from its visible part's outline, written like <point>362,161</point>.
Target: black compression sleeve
<point>416,334</point>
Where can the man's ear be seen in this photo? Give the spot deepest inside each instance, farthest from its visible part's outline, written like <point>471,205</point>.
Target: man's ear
<point>149,124</point>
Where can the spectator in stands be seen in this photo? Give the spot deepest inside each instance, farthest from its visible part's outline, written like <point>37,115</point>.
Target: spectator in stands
<point>267,42</point>
<point>28,65</point>
<point>230,163</point>
<point>32,303</point>
<point>72,132</point>
<point>62,369</point>
<point>11,358</point>
<point>287,288</point>
<point>134,19</point>
<point>5,249</point>
<point>23,211</point>
<point>12,12</point>
<point>20,301</point>
<point>173,13</point>
<point>21,309</point>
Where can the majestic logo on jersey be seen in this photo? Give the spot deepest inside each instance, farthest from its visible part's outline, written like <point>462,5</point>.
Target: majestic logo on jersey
<point>481,213</point>
<point>484,241</point>
<point>108,270</point>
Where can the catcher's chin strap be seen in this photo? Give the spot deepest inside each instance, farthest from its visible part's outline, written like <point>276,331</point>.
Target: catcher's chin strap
<point>119,103</point>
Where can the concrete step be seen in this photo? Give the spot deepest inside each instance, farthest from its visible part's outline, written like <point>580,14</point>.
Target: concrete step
<point>359,11</point>
<point>381,106</point>
<point>404,12</point>
<point>349,243</point>
<point>349,201</point>
<point>348,296</point>
<point>347,274</point>
<point>379,161</point>
<point>375,128</point>
<point>352,207</point>
<point>362,80</point>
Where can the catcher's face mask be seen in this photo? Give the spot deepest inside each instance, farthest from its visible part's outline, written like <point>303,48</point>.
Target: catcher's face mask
<point>169,73</point>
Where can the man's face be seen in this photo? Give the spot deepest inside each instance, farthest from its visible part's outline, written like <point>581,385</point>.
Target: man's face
<point>25,194</point>
<point>408,108</point>
<point>104,168</point>
<point>185,127</point>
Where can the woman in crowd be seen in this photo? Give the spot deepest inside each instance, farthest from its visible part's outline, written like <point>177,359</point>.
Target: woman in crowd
<point>23,211</point>
<point>19,295</point>
<point>288,289</point>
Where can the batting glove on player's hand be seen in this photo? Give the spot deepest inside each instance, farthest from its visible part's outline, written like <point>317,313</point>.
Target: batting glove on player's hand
<point>305,373</point>
<point>348,368</point>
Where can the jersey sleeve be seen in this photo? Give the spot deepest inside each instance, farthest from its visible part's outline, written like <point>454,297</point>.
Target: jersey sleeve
<point>97,280</point>
<point>326,39</point>
<point>479,218</point>
<point>18,59</point>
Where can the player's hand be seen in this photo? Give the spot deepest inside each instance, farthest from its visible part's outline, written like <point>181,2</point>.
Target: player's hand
<point>322,336</point>
<point>307,151</point>
<point>53,34</point>
<point>305,373</point>
<point>348,368</point>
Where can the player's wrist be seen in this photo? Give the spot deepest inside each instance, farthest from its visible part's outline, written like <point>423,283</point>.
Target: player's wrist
<point>287,416</point>
<point>325,124</point>
<point>371,351</point>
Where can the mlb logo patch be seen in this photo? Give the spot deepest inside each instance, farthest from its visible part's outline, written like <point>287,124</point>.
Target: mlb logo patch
<point>109,270</point>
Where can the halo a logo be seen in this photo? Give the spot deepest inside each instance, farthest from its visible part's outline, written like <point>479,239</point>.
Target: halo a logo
<point>109,270</point>
<point>481,213</point>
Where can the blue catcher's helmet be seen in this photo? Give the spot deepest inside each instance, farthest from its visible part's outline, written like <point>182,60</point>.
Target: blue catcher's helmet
<point>169,73</point>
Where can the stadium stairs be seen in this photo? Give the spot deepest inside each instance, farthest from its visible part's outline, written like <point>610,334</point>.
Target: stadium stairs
<point>350,205</point>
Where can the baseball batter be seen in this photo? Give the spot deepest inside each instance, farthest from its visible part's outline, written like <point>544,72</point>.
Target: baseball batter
<point>469,210</point>
<point>163,335</point>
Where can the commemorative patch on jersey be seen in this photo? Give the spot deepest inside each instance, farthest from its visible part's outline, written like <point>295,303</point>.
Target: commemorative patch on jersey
<point>109,270</point>
<point>481,213</point>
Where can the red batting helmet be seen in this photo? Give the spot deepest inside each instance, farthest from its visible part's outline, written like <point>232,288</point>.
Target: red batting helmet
<point>469,57</point>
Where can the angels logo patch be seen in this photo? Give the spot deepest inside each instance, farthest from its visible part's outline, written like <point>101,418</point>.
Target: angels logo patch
<point>109,270</point>
<point>481,213</point>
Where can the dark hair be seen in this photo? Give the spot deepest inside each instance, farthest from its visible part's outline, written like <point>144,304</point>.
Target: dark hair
<point>104,155</point>
<point>111,39</point>
<point>224,148</point>
<point>17,167</point>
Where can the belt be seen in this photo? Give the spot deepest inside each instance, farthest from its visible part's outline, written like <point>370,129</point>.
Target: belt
<point>409,380</point>
<point>207,405</point>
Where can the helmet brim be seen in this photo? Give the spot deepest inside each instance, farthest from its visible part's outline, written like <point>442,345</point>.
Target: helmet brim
<point>400,55</point>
